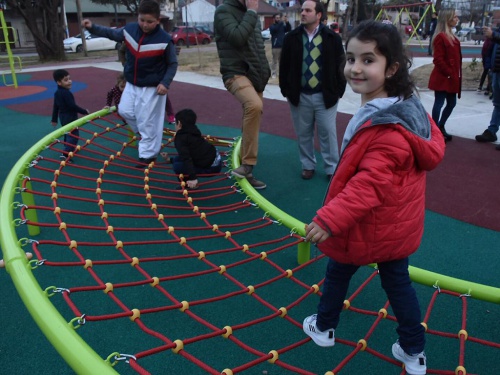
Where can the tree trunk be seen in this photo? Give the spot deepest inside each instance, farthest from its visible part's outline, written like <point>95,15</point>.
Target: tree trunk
<point>43,20</point>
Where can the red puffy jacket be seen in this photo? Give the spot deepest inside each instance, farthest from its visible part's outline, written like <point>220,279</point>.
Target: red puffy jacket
<point>374,207</point>
<point>447,73</point>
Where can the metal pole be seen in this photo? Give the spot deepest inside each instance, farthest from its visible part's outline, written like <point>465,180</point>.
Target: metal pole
<point>82,29</point>
<point>187,27</point>
<point>116,13</point>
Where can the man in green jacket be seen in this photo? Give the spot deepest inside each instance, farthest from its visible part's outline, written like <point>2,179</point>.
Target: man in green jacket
<point>245,72</point>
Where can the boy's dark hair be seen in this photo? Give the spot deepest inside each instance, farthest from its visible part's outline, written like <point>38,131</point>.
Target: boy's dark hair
<point>151,7</point>
<point>187,117</point>
<point>59,74</point>
<point>389,44</point>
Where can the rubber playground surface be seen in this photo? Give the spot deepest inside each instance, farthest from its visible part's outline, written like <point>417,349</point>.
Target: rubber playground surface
<point>462,234</point>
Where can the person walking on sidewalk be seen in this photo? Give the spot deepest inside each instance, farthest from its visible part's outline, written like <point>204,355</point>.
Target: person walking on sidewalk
<point>312,81</point>
<point>374,208</point>
<point>490,134</point>
<point>278,30</point>
<point>432,29</point>
<point>245,73</point>
<point>446,77</point>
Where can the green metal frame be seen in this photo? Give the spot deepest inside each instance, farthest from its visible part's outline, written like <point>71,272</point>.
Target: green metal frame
<point>418,275</point>
<point>75,351</point>
<point>61,334</point>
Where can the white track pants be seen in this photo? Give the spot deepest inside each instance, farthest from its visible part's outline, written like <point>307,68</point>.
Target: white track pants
<point>144,111</point>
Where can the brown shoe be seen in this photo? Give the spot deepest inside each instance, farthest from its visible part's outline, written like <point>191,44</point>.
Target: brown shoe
<point>307,174</point>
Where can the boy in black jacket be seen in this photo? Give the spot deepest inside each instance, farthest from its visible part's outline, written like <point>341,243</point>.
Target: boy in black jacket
<point>66,109</point>
<point>195,153</point>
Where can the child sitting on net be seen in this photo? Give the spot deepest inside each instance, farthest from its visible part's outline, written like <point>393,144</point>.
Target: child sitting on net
<point>115,94</point>
<point>195,154</point>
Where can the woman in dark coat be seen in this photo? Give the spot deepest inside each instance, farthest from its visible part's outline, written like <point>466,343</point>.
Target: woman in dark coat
<point>446,77</point>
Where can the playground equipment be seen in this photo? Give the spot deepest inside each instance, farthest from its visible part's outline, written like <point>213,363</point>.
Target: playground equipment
<point>189,280</point>
<point>406,9</point>
<point>9,56</point>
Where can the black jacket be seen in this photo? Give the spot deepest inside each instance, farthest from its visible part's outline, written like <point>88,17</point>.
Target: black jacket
<point>290,72</point>
<point>278,31</point>
<point>193,149</point>
<point>240,44</point>
<point>65,107</point>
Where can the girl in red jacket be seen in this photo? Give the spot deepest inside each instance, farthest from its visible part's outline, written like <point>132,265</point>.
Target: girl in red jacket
<point>374,208</point>
<point>446,77</point>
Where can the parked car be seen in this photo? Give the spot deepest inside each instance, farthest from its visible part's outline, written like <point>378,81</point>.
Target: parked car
<point>93,42</point>
<point>334,26</point>
<point>206,30</point>
<point>181,35</point>
<point>266,34</point>
<point>465,32</point>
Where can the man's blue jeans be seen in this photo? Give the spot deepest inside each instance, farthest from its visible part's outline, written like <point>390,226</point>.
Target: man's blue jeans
<point>495,116</point>
<point>396,282</point>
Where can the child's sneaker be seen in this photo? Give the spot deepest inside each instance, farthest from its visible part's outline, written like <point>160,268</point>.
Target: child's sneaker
<point>256,184</point>
<point>65,158</point>
<point>321,338</point>
<point>415,364</point>
<point>171,119</point>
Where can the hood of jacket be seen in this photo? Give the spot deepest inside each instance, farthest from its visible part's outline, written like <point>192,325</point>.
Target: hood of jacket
<point>412,116</point>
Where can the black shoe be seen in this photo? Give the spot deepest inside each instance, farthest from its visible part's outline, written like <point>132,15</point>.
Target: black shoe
<point>144,162</point>
<point>497,147</point>
<point>447,137</point>
<point>487,136</point>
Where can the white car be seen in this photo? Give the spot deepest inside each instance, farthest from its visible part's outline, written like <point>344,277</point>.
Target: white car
<point>94,43</point>
<point>466,31</point>
<point>266,34</point>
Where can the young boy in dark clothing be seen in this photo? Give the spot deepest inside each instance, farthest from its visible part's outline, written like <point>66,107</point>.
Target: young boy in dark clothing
<point>195,153</point>
<point>66,109</point>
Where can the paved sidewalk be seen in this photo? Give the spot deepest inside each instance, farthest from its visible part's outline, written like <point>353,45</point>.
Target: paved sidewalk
<point>470,117</point>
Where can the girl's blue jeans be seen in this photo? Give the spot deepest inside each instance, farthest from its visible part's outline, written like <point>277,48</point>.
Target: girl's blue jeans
<point>395,281</point>
<point>439,98</point>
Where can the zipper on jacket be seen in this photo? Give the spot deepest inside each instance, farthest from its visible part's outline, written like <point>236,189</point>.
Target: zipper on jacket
<point>139,43</point>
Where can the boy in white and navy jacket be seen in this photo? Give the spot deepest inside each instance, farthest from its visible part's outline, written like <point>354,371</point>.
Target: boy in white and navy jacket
<point>150,67</point>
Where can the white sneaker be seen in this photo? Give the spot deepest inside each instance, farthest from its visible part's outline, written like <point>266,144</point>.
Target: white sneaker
<point>321,338</point>
<point>415,364</point>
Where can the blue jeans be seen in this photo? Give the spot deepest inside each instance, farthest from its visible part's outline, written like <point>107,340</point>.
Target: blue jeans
<point>495,116</point>
<point>395,281</point>
<point>178,166</point>
<point>439,98</point>
<point>70,141</point>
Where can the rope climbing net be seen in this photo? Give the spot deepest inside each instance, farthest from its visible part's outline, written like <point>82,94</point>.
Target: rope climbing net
<point>132,272</point>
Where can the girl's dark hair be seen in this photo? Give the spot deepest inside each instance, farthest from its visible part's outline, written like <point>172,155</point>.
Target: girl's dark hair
<point>389,44</point>
<point>187,117</point>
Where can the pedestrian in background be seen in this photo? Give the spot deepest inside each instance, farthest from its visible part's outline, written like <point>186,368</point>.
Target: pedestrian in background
<point>432,29</point>
<point>311,79</point>
<point>446,77</point>
<point>490,134</point>
<point>278,30</point>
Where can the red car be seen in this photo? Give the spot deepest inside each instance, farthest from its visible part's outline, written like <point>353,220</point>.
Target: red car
<point>182,34</point>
